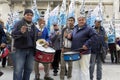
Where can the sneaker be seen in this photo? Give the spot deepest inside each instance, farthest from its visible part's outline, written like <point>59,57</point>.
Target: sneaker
<point>65,73</point>
<point>48,78</point>
<point>1,73</point>
<point>3,66</point>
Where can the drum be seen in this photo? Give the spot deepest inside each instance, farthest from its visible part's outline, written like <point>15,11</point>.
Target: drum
<point>4,52</point>
<point>72,56</point>
<point>44,55</point>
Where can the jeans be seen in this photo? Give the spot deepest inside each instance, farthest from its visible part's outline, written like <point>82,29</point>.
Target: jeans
<point>95,59</point>
<point>23,64</point>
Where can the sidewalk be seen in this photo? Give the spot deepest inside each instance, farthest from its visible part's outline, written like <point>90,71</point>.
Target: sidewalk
<point>110,72</point>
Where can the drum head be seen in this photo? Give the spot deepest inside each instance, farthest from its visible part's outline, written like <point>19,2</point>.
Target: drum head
<point>47,50</point>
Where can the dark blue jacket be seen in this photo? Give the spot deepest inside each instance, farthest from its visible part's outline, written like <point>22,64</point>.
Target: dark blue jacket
<point>24,40</point>
<point>44,34</point>
<point>2,35</point>
<point>99,42</point>
<point>83,36</point>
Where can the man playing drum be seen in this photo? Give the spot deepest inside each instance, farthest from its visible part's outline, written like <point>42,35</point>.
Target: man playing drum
<point>82,37</point>
<point>42,33</point>
<point>66,47</point>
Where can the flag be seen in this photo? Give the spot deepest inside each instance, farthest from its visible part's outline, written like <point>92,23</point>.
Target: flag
<point>46,18</point>
<point>36,12</point>
<point>111,33</point>
<point>71,12</point>
<point>82,9</point>
<point>47,13</point>
<point>13,17</point>
<point>62,15</point>
<point>54,15</point>
<point>96,13</point>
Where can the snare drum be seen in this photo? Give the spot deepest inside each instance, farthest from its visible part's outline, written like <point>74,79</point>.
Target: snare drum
<point>44,55</point>
<point>71,56</point>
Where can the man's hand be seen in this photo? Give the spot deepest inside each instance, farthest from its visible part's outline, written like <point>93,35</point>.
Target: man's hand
<point>69,36</point>
<point>39,33</point>
<point>62,50</point>
<point>23,29</point>
<point>3,45</point>
<point>84,47</point>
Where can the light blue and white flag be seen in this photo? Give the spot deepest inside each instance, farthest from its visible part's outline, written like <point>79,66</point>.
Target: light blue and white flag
<point>46,18</point>
<point>47,13</point>
<point>36,12</point>
<point>111,33</point>
<point>13,17</point>
<point>96,13</point>
<point>71,12</point>
<point>54,15</point>
<point>62,15</point>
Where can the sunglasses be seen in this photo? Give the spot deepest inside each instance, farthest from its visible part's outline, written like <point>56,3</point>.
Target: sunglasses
<point>54,25</point>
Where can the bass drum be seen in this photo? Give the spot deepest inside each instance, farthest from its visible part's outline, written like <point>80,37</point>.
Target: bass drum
<point>44,55</point>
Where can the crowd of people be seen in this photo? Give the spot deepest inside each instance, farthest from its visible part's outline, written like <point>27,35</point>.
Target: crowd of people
<point>91,40</point>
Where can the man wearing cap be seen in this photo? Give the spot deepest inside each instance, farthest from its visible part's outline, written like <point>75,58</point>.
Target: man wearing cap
<point>96,50</point>
<point>24,43</point>
<point>82,37</point>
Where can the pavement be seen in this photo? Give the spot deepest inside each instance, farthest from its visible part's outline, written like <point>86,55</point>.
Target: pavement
<point>111,71</point>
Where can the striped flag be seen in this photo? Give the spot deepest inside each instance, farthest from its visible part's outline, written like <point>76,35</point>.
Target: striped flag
<point>36,12</point>
<point>71,12</point>
<point>62,15</point>
<point>96,13</point>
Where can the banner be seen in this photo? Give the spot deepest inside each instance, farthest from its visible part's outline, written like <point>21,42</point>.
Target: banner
<point>62,15</point>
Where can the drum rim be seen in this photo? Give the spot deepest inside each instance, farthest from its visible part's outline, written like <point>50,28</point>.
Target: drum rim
<point>45,52</point>
<point>43,62</point>
<point>72,60</point>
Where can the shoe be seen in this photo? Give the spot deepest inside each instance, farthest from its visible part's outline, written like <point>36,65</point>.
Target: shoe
<point>1,73</point>
<point>3,66</point>
<point>48,78</point>
<point>65,73</point>
<point>69,77</point>
<point>55,74</point>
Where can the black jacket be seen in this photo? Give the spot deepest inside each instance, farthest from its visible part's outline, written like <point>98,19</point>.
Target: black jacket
<point>2,35</point>
<point>26,40</point>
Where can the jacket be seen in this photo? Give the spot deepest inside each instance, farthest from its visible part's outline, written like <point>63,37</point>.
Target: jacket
<point>2,35</point>
<point>82,36</point>
<point>44,34</point>
<point>100,40</point>
<point>24,40</point>
<point>55,39</point>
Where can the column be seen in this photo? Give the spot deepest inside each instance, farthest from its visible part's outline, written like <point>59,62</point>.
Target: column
<point>4,10</point>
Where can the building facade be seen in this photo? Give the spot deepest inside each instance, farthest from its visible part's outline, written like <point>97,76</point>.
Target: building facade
<point>110,7</point>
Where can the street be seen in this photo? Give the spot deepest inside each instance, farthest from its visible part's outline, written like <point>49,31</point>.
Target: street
<point>110,72</point>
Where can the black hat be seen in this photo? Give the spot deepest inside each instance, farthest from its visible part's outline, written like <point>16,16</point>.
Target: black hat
<point>28,11</point>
